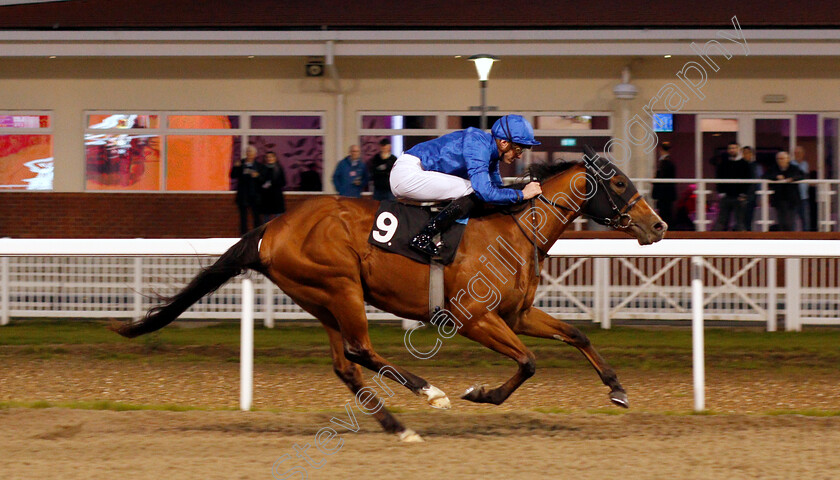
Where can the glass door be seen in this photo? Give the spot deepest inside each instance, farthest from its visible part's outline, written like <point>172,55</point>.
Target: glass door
<point>713,134</point>
<point>773,134</point>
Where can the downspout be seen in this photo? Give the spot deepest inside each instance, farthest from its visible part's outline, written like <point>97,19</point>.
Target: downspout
<point>332,71</point>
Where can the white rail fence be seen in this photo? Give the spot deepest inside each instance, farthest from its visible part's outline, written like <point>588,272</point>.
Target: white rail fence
<point>75,279</point>
<point>600,280</point>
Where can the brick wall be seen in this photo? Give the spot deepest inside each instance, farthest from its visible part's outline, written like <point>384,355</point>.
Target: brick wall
<point>154,215</point>
<point>120,215</point>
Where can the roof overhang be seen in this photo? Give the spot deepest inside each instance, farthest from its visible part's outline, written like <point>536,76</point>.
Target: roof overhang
<point>273,43</point>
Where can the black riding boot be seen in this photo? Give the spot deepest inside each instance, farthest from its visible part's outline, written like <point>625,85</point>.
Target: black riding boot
<point>457,209</point>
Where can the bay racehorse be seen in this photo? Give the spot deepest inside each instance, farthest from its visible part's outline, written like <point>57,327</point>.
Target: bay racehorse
<point>318,254</point>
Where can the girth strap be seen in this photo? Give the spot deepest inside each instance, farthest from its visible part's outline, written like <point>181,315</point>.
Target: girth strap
<point>436,293</point>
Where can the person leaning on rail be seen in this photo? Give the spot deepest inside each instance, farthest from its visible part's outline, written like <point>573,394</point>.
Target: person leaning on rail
<point>462,166</point>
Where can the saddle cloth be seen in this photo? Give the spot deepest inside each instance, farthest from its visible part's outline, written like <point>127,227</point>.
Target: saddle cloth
<point>395,224</point>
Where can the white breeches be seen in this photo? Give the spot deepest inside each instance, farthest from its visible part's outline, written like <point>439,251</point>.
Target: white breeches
<point>409,180</point>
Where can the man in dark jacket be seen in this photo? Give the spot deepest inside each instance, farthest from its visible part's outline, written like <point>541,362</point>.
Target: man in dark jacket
<point>733,196</point>
<point>785,197</point>
<point>665,194</point>
<point>380,170</point>
<point>248,173</point>
<point>272,203</point>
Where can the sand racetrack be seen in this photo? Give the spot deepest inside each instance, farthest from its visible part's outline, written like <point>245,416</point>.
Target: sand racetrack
<point>527,437</point>
<point>84,444</point>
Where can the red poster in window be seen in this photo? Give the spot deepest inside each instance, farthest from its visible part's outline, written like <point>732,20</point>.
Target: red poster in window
<point>26,162</point>
<point>122,162</point>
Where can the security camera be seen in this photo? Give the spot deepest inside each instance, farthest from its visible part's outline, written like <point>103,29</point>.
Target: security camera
<point>315,67</point>
<point>625,91</point>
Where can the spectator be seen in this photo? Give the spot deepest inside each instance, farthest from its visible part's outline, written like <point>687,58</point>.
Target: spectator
<point>247,173</point>
<point>733,196</point>
<point>786,195</point>
<point>351,175</point>
<point>756,172</point>
<point>380,170</point>
<point>310,179</point>
<point>665,193</point>
<point>686,208</point>
<point>803,208</point>
<point>274,180</point>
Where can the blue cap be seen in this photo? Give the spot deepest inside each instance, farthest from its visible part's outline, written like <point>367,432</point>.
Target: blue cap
<point>514,128</point>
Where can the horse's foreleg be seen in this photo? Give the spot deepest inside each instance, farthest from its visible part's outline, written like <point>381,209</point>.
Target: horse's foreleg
<point>351,375</point>
<point>537,323</point>
<point>494,334</point>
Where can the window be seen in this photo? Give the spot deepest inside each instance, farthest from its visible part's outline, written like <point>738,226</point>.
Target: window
<point>193,152</point>
<point>123,152</point>
<point>562,135</point>
<point>26,151</point>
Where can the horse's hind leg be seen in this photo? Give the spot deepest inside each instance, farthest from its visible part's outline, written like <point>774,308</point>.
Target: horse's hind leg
<point>537,323</point>
<point>351,375</point>
<point>350,315</point>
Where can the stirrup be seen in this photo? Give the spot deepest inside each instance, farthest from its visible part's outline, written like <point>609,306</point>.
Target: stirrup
<point>422,242</point>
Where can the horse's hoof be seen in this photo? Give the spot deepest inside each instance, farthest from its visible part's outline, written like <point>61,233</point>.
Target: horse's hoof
<point>410,436</point>
<point>619,398</point>
<point>474,393</point>
<point>436,397</point>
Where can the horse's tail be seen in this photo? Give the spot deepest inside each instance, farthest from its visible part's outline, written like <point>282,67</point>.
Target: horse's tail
<point>241,256</point>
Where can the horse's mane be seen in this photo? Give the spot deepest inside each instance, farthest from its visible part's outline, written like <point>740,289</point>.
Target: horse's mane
<point>543,171</point>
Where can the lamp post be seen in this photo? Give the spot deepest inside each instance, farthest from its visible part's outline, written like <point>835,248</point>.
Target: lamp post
<point>483,64</point>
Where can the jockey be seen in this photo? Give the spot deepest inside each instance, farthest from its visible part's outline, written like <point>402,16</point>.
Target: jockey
<point>462,166</point>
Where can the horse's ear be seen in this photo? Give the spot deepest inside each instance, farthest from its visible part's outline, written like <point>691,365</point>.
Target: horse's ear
<point>590,152</point>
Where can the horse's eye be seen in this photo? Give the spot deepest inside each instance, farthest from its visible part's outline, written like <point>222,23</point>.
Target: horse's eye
<point>620,184</point>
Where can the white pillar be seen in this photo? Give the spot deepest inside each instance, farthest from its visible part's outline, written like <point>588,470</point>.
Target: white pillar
<point>765,206</point>
<point>246,349</point>
<point>697,333</point>
<point>700,220</point>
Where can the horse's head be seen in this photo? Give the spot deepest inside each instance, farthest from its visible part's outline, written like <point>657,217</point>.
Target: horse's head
<point>599,190</point>
<point>614,201</point>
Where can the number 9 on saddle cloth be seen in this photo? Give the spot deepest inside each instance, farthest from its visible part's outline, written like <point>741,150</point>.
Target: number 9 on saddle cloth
<point>395,224</point>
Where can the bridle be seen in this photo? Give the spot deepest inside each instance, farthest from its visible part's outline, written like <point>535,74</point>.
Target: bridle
<point>620,220</point>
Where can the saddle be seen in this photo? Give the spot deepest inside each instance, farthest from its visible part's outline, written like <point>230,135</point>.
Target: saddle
<point>396,222</point>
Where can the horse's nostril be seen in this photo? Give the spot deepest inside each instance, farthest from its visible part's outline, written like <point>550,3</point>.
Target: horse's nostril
<point>660,226</point>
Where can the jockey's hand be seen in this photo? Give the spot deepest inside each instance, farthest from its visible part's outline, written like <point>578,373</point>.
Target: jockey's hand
<point>531,190</point>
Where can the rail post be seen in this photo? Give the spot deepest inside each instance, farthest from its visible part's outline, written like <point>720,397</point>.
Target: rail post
<point>602,292</point>
<point>138,288</point>
<point>772,320</point>
<point>246,350</point>
<point>268,301</point>
<point>793,294</point>
<point>697,333</point>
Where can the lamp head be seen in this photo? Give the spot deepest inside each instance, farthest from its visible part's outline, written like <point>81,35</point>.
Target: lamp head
<point>483,64</point>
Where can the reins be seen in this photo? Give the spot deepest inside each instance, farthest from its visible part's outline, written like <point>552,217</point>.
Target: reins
<point>620,220</point>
